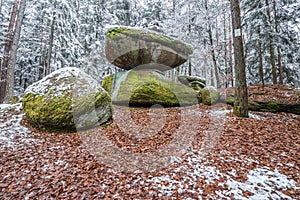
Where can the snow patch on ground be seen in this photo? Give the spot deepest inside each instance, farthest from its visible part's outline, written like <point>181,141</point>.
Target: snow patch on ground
<point>254,116</point>
<point>262,183</point>
<point>11,128</point>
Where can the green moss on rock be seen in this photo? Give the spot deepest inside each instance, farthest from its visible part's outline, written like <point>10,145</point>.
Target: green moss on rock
<point>65,101</point>
<point>210,95</point>
<point>15,99</point>
<point>129,48</point>
<point>146,87</point>
<point>115,33</point>
<point>107,82</point>
<point>49,113</point>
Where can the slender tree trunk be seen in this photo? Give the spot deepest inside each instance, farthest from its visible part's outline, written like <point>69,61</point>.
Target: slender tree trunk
<point>278,47</point>
<point>13,54</point>
<point>174,8</point>
<point>212,50</point>
<point>41,70</point>
<point>225,51</point>
<point>280,66</point>
<point>190,66</point>
<point>241,97</point>
<point>51,38</point>
<point>261,70</point>
<point>0,6</point>
<point>7,47</point>
<point>230,60</point>
<point>272,56</point>
<point>214,58</point>
<point>127,9</point>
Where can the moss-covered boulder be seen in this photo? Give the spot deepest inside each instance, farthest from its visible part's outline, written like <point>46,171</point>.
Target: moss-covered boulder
<point>209,95</point>
<point>146,88</point>
<point>66,100</point>
<point>130,48</point>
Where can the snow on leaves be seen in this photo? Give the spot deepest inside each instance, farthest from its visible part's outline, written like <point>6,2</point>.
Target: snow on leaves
<point>252,159</point>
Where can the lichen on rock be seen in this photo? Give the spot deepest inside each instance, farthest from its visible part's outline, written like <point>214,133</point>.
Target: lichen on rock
<point>66,100</point>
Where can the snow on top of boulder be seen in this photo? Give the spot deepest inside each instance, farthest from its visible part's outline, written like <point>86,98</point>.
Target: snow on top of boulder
<point>11,128</point>
<point>63,81</point>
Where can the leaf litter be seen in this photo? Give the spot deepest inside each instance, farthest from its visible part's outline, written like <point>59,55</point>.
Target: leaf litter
<point>254,158</point>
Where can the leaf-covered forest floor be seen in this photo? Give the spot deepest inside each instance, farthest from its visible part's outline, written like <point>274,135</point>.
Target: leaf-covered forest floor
<point>229,157</point>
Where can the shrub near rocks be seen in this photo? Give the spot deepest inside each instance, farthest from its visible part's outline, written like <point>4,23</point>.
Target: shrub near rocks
<point>66,100</point>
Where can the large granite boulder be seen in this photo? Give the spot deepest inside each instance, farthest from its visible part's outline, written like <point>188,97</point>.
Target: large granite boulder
<point>146,88</point>
<point>130,48</point>
<point>66,100</point>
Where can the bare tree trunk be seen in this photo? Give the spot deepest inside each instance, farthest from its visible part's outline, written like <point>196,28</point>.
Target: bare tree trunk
<point>190,66</point>
<point>48,62</point>
<point>241,97</point>
<point>127,10</point>
<point>272,56</point>
<point>214,58</point>
<point>41,69</point>
<point>209,31</point>
<point>174,8</point>
<point>231,63</point>
<point>261,70</point>
<point>230,56</point>
<point>7,47</point>
<point>0,6</point>
<point>225,51</point>
<point>280,66</point>
<point>13,54</point>
<point>278,47</point>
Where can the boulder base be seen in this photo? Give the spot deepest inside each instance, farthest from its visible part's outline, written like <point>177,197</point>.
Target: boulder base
<point>146,88</point>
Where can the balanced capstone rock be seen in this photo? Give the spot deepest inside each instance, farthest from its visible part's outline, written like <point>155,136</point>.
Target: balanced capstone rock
<point>132,48</point>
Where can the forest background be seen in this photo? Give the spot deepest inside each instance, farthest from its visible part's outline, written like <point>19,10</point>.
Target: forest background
<point>71,33</point>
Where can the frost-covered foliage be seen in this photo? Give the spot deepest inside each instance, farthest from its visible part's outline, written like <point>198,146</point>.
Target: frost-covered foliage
<point>258,28</point>
<point>71,33</point>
